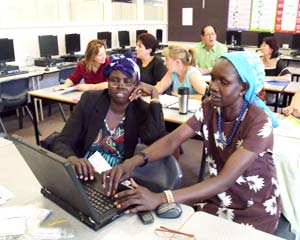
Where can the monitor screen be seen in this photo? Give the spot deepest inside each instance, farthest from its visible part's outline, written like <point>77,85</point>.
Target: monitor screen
<point>105,36</point>
<point>296,41</point>
<point>72,42</point>
<point>123,39</point>
<point>234,38</point>
<point>7,53</point>
<point>159,35</point>
<point>261,36</point>
<point>48,45</point>
<point>140,31</point>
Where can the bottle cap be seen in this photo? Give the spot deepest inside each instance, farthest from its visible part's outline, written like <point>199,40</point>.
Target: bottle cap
<point>183,90</point>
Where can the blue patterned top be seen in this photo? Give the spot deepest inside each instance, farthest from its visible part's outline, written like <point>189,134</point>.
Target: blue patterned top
<point>110,144</point>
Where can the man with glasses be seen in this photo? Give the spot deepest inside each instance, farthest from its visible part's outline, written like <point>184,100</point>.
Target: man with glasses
<point>111,122</point>
<point>208,50</point>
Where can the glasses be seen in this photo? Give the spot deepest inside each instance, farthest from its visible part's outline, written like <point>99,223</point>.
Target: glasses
<point>126,82</point>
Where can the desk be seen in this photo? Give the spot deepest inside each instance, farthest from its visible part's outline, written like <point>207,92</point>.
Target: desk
<point>206,227</point>
<point>286,153</point>
<point>276,88</point>
<point>27,191</point>
<point>170,115</point>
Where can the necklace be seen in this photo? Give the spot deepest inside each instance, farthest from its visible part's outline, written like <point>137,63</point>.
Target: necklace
<point>235,127</point>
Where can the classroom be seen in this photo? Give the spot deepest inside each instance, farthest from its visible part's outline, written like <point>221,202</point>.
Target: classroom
<point>154,119</point>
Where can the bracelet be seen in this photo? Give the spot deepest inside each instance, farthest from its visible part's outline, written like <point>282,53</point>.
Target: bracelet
<point>155,100</point>
<point>169,195</point>
<point>145,158</point>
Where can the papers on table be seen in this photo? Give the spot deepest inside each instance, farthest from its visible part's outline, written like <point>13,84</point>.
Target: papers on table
<point>99,163</point>
<point>169,101</point>
<point>5,195</point>
<point>15,220</point>
<point>69,89</point>
<point>289,127</point>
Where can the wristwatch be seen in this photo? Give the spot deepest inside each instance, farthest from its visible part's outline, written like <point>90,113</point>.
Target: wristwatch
<point>145,158</point>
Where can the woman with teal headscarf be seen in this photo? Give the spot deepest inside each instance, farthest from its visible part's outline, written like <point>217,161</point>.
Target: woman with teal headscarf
<point>240,183</point>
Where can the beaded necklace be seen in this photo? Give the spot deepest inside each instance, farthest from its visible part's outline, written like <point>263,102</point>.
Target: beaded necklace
<point>235,127</point>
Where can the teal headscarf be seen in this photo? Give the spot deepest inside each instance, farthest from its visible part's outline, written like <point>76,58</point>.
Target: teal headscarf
<point>251,71</point>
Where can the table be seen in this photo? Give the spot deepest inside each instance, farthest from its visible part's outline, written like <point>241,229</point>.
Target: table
<point>286,154</point>
<point>27,191</point>
<point>170,115</point>
<point>206,227</point>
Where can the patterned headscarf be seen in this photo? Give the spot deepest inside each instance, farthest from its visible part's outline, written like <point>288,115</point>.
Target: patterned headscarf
<point>124,64</point>
<point>251,71</point>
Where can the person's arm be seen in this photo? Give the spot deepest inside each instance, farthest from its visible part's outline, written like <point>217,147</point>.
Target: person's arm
<point>164,83</point>
<point>67,83</point>
<point>87,87</point>
<point>294,108</point>
<point>199,84</point>
<point>204,70</point>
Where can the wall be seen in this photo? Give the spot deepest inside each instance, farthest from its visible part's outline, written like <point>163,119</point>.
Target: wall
<point>24,21</point>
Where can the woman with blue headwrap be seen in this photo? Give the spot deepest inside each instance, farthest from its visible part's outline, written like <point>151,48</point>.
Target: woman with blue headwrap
<point>240,183</point>
<point>111,121</point>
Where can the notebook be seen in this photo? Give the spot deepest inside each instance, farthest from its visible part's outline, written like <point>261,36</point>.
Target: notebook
<point>87,201</point>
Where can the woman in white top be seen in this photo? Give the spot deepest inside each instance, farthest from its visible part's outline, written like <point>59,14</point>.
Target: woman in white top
<point>182,72</point>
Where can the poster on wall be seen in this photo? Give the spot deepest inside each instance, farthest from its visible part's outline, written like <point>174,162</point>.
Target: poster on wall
<point>263,13</point>
<point>288,16</point>
<point>239,15</point>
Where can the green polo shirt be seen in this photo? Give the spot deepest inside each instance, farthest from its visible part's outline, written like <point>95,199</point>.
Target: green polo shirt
<point>207,59</point>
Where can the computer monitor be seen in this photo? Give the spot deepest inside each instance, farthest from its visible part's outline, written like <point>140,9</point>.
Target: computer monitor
<point>72,42</point>
<point>7,53</point>
<point>48,46</point>
<point>234,38</point>
<point>123,38</point>
<point>159,35</point>
<point>261,36</point>
<point>296,41</point>
<point>105,36</point>
<point>140,31</point>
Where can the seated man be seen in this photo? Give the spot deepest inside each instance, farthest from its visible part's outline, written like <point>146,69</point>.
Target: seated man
<point>111,121</point>
<point>209,49</point>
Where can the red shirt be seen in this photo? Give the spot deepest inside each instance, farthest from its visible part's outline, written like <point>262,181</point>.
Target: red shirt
<point>89,77</point>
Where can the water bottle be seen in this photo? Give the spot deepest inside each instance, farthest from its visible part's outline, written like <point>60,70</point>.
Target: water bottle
<point>183,99</point>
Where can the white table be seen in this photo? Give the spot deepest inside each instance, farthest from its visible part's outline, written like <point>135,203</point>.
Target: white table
<point>286,154</point>
<point>17,177</point>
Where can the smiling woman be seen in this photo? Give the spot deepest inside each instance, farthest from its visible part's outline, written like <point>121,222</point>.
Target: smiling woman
<point>112,121</point>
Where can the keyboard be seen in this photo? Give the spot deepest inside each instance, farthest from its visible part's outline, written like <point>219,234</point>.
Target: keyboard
<point>66,65</point>
<point>99,200</point>
<point>12,74</point>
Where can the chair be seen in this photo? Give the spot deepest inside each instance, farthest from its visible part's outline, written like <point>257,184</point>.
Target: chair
<point>159,175</point>
<point>14,96</point>
<point>64,73</point>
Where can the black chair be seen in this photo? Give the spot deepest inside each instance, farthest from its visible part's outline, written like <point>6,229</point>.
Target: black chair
<point>14,96</point>
<point>159,175</point>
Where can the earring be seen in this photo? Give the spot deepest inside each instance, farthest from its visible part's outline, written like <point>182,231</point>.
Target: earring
<point>241,94</point>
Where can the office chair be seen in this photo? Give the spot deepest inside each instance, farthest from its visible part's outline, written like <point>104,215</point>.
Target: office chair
<point>159,175</point>
<point>14,96</point>
<point>64,73</point>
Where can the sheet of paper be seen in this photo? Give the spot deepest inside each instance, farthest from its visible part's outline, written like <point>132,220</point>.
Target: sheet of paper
<point>99,163</point>
<point>193,105</point>
<point>69,89</point>
<point>5,195</point>
<point>12,227</point>
<point>187,16</point>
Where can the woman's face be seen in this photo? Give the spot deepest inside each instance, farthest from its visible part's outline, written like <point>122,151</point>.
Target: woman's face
<point>266,49</point>
<point>225,86</point>
<point>141,51</point>
<point>101,56</point>
<point>120,87</point>
<point>170,63</point>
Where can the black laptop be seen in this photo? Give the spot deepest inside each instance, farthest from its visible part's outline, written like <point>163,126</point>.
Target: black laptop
<point>87,201</point>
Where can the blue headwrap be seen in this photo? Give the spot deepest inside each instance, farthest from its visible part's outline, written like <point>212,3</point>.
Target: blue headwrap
<point>251,71</point>
<point>124,64</point>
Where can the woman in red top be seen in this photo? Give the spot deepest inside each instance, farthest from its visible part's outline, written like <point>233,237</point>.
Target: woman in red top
<point>90,69</point>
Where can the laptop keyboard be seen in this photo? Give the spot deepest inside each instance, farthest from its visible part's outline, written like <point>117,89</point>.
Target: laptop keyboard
<point>99,201</point>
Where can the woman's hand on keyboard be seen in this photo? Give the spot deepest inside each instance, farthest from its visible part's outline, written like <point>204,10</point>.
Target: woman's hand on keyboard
<point>83,168</point>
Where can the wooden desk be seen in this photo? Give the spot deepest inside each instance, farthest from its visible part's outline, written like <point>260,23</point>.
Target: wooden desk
<point>27,191</point>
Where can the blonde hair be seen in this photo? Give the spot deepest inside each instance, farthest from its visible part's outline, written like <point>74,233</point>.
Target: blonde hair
<point>91,51</point>
<point>186,56</point>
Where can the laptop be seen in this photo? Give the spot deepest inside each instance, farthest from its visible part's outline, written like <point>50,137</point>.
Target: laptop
<point>87,201</point>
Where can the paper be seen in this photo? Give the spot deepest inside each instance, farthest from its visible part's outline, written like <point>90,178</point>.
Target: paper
<point>5,195</point>
<point>187,16</point>
<point>12,227</point>
<point>69,89</point>
<point>167,100</point>
<point>289,127</point>
<point>99,163</point>
<point>193,105</point>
